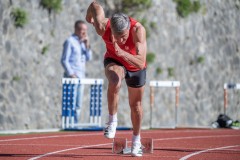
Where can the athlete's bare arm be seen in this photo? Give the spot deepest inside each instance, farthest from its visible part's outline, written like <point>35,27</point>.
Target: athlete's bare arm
<point>139,38</point>
<point>96,16</point>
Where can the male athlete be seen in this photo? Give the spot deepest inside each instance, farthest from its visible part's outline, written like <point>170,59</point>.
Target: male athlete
<point>125,40</point>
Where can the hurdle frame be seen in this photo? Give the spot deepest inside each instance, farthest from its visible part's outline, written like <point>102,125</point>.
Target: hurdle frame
<point>226,86</point>
<point>155,84</point>
<point>68,108</point>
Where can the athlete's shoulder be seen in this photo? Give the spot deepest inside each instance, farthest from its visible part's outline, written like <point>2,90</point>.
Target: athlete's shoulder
<point>139,32</point>
<point>138,27</point>
<point>135,24</point>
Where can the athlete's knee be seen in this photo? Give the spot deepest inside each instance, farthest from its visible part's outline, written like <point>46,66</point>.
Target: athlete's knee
<point>137,110</point>
<point>114,83</point>
<point>114,79</point>
<point>114,76</point>
<point>135,105</point>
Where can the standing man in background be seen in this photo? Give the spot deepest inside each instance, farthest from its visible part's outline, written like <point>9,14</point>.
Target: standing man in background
<point>125,57</point>
<point>76,52</point>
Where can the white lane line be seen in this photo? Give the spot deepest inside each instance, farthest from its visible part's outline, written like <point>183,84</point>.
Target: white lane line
<point>96,134</point>
<point>69,149</point>
<point>52,145</point>
<point>30,131</point>
<point>45,137</point>
<point>57,136</point>
<point>212,149</point>
<point>196,137</point>
<point>71,135</point>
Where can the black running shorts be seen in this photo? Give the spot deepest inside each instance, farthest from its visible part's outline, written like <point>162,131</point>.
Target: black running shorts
<point>134,79</point>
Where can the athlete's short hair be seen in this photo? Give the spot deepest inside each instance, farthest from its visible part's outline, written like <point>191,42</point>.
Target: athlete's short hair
<point>119,22</point>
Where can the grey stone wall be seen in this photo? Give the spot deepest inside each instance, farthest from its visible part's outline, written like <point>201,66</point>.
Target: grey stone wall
<point>30,82</point>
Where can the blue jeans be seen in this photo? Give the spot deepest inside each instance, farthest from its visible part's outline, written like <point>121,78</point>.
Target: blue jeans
<point>78,98</point>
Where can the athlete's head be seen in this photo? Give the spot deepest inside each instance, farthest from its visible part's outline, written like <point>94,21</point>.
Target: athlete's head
<point>120,25</point>
<point>80,29</point>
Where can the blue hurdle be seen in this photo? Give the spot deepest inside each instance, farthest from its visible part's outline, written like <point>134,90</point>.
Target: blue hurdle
<point>96,104</point>
<point>68,102</point>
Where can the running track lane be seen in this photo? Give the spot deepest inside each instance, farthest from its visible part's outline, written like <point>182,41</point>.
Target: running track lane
<point>168,145</point>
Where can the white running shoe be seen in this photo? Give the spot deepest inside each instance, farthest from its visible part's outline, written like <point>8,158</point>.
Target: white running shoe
<point>110,130</point>
<point>137,149</point>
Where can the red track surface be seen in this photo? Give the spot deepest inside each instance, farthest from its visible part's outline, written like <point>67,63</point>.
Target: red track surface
<point>192,144</point>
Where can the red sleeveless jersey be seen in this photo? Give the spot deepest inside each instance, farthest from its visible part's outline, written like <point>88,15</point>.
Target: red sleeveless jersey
<point>129,46</point>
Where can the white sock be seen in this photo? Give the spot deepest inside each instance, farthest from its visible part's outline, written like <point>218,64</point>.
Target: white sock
<point>113,118</point>
<point>136,139</point>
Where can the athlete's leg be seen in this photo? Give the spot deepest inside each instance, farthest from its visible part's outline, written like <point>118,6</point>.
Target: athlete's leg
<point>114,74</point>
<point>135,102</point>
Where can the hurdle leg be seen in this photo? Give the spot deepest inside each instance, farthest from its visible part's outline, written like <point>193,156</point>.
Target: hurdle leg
<point>99,104</point>
<point>151,104</point>
<point>176,105</point>
<point>225,101</point>
<point>68,116</point>
<point>64,98</point>
<point>73,103</point>
<point>95,103</point>
<point>91,103</point>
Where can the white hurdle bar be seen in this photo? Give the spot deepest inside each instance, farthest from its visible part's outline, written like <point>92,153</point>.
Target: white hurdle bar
<point>66,120</point>
<point>227,86</point>
<point>153,84</point>
<point>82,81</point>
